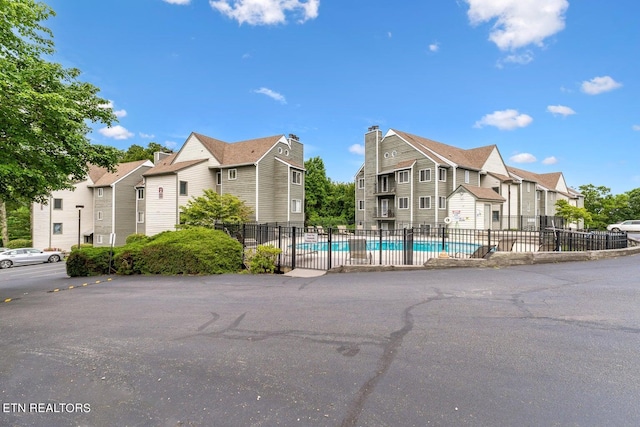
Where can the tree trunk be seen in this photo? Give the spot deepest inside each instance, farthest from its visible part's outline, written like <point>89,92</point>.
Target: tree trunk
<point>4,231</point>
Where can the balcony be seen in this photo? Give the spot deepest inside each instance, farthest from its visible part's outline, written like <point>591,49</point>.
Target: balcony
<point>379,213</point>
<point>381,190</point>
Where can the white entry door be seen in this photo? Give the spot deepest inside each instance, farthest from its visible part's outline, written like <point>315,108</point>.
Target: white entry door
<point>384,208</point>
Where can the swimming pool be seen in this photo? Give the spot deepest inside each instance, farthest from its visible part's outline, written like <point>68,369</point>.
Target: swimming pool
<point>393,245</point>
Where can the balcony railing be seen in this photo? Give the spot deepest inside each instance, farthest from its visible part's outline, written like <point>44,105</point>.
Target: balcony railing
<point>384,213</point>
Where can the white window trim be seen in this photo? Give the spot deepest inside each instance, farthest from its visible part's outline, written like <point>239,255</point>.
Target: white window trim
<point>467,177</point>
<point>424,198</point>
<point>360,205</point>
<point>233,172</point>
<point>442,171</point>
<point>421,173</point>
<point>401,199</point>
<point>99,215</point>
<point>294,174</point>
<point>186,187</point>
<point>100,238</point>
<point>53,230</point>
<point>360,183</point>
<point>405,174</point>
<point>140,218</point>
<point>138,191</point>
<point>296,206</point>
<point>100,192</point>
<point>444,202</point>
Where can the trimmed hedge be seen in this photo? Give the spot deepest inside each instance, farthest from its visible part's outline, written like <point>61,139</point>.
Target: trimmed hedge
<point>19,243</point>
<point>189,251</point>
<point>88,262</point>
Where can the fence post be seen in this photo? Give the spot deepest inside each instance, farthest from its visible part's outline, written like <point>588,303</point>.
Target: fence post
<point>329,256</point>
<point>489,237</point>
<point>280,247</point>
<point>293,248</point>
<point>380,246</point>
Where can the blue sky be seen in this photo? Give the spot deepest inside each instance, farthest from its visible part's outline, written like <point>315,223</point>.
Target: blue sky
<point>553,83</point>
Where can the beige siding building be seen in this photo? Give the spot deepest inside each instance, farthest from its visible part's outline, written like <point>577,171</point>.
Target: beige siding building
<point>99,207</point>
<point>266,173</point>
<point>411,181</point>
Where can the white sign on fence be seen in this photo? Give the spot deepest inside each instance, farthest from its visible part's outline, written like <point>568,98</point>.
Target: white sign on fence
<point>311,237</point>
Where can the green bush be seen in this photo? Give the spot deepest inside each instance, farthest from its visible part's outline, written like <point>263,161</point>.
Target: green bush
<point>137,238</point>
<point>88,262</point>
<point>263,259</point>
<point>82,245</point>
<point>19,243</point>
<point>190,251</point>
<point>194,250</point>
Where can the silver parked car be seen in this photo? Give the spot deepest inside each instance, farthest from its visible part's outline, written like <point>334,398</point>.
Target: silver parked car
<point>632,225</point>
<point>21,256</point>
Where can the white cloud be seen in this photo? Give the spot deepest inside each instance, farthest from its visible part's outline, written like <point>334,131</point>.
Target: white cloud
<point>550,161</point>
<point>505,120</point>
<point>523,158</point>
<point>599,85</point>
<point>357,149</point>
<point>171,144</point>
<point>636,127</point>
<point>561,110</point>
<point>266,12</point>
<point>120,113</point>
<point>434,47</point>
<point>519,22</point>
<point>116,132</point>
<point>146,135</point>
<point>180,2</point>
<point>522,59</point>
<point>271,94</point>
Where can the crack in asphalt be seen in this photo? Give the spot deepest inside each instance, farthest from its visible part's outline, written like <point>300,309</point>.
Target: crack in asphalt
<point>348,345</point>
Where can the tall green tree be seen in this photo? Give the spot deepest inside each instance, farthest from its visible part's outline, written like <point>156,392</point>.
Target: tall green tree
<point>44,111</point>
<point>317,190</point>
<point>137,152</point>
<point>572,214</point>
<point>211,207</point>
<point>605,208</point>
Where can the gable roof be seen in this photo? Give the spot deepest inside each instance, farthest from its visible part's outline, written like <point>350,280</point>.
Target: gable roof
<point>166,166</point>
<point>123,169</point>
<point>238,153</point>
<point>483,193</point>
<point>474,158</point>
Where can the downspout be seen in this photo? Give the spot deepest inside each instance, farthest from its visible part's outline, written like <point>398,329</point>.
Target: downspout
<point>289,193</point>
<point>437,192</point>
<point>413,200</point>
<point>113,210</point>
<point>257,192</point>
<point>177,199</point>
<point>50,221</point>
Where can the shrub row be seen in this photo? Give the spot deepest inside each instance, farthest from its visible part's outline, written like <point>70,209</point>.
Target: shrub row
<point>189,251</point>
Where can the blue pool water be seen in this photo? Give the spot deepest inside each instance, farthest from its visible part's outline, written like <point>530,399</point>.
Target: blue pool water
<point>393,245</point>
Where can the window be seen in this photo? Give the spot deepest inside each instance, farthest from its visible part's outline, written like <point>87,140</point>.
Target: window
<point>425,175</point>
<point>57,203</point>
<point>100,238</point>
<point>403,203</point>
<point>442,174</point>
<point>183,188</point>
<point>361,183</point>
<point>160,193</point>
<point>100,192</point>
<point>296,206</point>
<point>57,228</point>
<point>403,177</point>
<point>360,205</point>
<point>219,178</point>
<point>233,174</point>
<point>495,216</point>
<point>99,215</point>
<point>538,195</point>
<point>528,187</point>
<point>442,202</point>
<point>466,177</point>
<point>425,202</point>
<point>296,177</point>
<point>496,189</point>
<point>140,217</point>
<point>140,194</point>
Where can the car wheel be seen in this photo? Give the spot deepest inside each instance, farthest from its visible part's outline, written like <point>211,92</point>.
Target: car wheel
<point>5,263</point>
<point>615,230</point>
<point>54,258</point>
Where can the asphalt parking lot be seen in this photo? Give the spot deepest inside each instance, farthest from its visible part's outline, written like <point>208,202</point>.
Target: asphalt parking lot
<point>553,344</point>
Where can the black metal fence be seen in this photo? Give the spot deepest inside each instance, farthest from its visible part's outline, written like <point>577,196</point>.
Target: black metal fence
<point>323,249</point>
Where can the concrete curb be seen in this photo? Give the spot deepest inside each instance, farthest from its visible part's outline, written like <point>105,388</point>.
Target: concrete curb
<point>498,260</point>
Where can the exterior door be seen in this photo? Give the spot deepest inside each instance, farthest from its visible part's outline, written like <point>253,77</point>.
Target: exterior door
<point>384,184</point>
<point>487,217</point>
<point>384,208</point>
